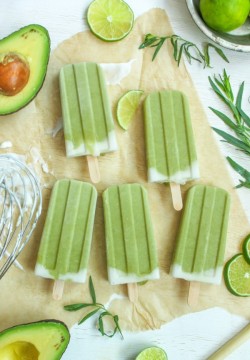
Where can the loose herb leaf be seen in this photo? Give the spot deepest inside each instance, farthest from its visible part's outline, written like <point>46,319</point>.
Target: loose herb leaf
<point>86,317</point>
<point>243,172</point>
<point>239,123</point>
<point>97,308</point>
<point>116,320</point>
<point>180,47</point>
<point>92,290</point>
<point>233,140</point>
<point>75,307</point>
<point>218,50</point>
<point>224,118</point>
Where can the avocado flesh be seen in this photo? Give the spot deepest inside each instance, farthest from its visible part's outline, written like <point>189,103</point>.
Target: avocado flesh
<point>43,340</point>
<point>19,350</point>
<point>32,43</point>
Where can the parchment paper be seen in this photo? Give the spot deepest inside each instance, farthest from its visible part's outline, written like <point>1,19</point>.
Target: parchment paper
<point>25,297</point>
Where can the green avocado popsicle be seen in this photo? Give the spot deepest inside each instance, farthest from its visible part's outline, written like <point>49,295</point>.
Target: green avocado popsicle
<point>67,234</point>
<point>170,145</point>
<point>87,118</point>
<point>201,240</point>
<point>130,243</point>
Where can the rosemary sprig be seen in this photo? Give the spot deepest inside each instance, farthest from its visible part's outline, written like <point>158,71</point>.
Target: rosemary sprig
<point>97,308</point>
<point>180,47</point>
<point>239,123</point>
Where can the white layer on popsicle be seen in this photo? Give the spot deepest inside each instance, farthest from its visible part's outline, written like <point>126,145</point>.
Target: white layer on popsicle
<point>180,177</point>
<point>117,277</point>
<point>107,145</point>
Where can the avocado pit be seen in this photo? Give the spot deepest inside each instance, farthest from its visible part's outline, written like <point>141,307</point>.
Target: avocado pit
<point>14,74</point>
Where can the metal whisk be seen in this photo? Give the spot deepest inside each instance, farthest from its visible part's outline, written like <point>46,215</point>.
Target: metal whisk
<point>20,208</point>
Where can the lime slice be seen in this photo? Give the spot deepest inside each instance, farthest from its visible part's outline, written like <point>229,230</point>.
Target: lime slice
<point>127,106</point>
<point>237,275</point>
<point>152,353</point>
<point>246,248</point>
<point>110,20</point>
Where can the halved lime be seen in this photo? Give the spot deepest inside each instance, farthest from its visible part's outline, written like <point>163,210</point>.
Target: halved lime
<point>152,353</point>
<point>246,248</point>
<point>237,275</point>
<point>127,106</point>
<point>110,20</point>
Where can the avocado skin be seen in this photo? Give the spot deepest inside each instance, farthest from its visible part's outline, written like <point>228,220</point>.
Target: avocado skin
<point>37,56</point>
<point>50,337</point>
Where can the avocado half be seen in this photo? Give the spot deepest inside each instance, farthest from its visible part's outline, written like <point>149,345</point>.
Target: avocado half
<point>24,57</point>
<point>42,340</point>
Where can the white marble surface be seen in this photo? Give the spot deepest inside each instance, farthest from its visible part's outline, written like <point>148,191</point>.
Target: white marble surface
<point>194,336</point>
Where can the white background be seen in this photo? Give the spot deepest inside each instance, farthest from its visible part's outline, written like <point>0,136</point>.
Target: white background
<point>196,335</point>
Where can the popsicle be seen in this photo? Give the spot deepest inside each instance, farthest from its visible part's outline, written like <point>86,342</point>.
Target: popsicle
<point>66,239</point>
<point>87,118</point>
<point>170,146</point>
<point>201,240</point>
<point>130,242</point>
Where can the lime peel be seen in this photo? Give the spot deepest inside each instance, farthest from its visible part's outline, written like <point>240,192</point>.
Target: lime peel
<point>237,275</point>
<point>224,15</point>
<point>246,248</point>
<point>127,106</point>
<point>152,353</point>
<point>110,20</point>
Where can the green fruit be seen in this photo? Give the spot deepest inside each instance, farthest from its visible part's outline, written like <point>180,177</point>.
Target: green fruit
<point>237,275</point>
<point>24,57</point>
<point>246,248</point>
<point>42,340</point>
<point>224,15</point>
<point>127,106</point>
<point>152,353</point>
<point>110,20</point>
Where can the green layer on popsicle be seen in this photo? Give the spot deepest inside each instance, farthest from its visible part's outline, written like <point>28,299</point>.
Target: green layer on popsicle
<point>201,240</point>
<point>170,145</point>
<point>87,118</point>
<point>130,243</point>
<point>67,235</point>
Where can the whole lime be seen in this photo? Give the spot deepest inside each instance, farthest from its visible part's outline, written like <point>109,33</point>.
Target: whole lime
<point>224,15</point>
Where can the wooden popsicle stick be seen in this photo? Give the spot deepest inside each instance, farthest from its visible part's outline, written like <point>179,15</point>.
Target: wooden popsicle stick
<point>94,171</point>
<point>193,293</point>
<point>133,292</point>
<point>58,289</point>
<point>176,196</point>
<point>232,344</point>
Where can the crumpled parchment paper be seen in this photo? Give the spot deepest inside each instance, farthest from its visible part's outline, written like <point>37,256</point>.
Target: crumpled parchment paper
<point>25,297</point>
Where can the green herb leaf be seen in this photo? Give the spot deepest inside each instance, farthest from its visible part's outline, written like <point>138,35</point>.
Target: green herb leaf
<point>218,50</point>
<point>180,47</point>
<point>240,123</point>
<point>88,316</point>
<point>97,308</point>
<point>224,118</point>
<point>233,140</point>
<point>75,307</point>
<point>240,170</point>
<point>116,320</point>
<point>92,290</point>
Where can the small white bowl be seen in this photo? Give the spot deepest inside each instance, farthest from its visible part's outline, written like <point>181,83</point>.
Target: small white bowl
<point>238,39</point>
